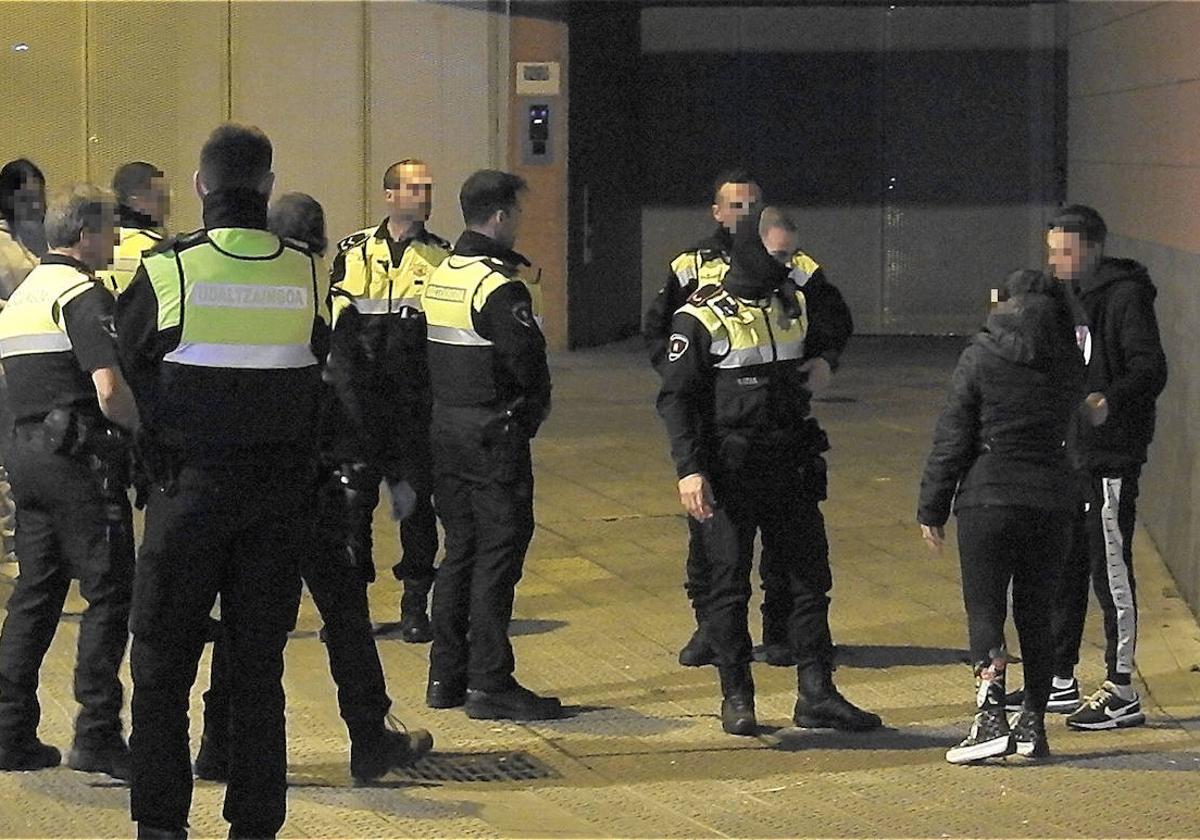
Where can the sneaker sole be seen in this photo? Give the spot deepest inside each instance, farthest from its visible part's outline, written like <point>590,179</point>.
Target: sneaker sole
<point>1123,722</point>
<point>1058,707</point>
<point>995,748</point>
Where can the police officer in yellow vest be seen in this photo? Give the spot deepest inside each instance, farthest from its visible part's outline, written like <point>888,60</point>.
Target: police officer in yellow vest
<point>72,409</point>
<point>491,392</point>
<point>704,265</point>
<point>736,403</point>
<point>378,366</point>
<point>222,333</point>
<point>143,201</point>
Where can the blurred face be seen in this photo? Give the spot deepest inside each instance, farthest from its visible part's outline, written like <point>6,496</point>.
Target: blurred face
<point>29,202</point>
<point>733,204</point>
<point>412,199</point>
<point>96,247</point>
<point>1070,255</point>
<point>155,201</point>
<point>780,243</point>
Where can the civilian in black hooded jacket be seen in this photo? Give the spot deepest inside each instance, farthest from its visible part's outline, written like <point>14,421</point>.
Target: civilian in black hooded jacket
<point>999,453</point>
<point>1126,371</point>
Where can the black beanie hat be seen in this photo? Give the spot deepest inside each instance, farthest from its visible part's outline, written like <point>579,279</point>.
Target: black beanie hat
<point>753,273</point>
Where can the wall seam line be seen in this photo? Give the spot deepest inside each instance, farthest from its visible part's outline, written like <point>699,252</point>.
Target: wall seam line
<point>1141,11</point>
<point>1153,86</point>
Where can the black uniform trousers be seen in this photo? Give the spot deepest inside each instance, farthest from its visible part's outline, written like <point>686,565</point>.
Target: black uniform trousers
<point>1101,551</point>
<point>784,506</point>
<point>340,594</point>
<point>1025,547</point>
<point>484,496</point>
<point>418,532</point>
<point>64,532</point>
<point>237,528</point>
<point>772,571</point>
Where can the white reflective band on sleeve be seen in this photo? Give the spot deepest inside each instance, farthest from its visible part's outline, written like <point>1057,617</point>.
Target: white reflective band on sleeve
<point>369,306</point>
<point>457,336</point>
<point>719,346</point>
<point>21,345</point>
<point>799,276</point>
<point>243,356</point>
<point>129,264</point>
<point>238,296</point>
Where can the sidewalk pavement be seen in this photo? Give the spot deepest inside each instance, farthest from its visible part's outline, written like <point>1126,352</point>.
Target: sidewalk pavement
<point>600,616</point>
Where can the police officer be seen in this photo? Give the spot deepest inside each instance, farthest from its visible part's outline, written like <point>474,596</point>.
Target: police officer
<point>221,333</point>
<point>338,590</point>
<point>72,407</point>
<point>378,275</point>
<point>829,329</point>
<point>143,201</point>
<point>491,391</point>
<point>705,264</point>
<point>735,402</point>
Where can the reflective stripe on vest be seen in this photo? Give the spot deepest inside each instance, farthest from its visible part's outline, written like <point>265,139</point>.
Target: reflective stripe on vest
<point>753,335</point>
<point>367,306</point>
<point>242,298</point>
<point>31,321</point>
<point>692,267</point>
<point>456,290</point>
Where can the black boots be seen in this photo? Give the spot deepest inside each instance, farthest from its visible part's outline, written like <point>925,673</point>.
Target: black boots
<point>737,705</point>
<point>391,747</point>
<point>414,613</point>
<point>819,705</point>
<point>697,651</point>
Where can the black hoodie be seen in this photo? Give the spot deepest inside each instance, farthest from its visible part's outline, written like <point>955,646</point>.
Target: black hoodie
<point>1126,363</point>
<point>1000,440</point>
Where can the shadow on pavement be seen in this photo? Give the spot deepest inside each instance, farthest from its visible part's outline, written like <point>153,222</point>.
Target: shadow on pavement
<point>790,739</point>
<point>889,656</point>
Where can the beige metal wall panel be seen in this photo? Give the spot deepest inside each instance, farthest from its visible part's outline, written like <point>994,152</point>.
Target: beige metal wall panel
<point>42,105</point>
<point>297,73</point>
<point>431,96</point>
<point>1151,203</point>
<point>1157,46</point>
<point>157,85</point>
<point>1157,125</point>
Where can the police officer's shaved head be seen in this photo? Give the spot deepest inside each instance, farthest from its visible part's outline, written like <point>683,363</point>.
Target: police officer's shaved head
<point>734,190</point>
<point>236,156</point>
<point>396,175</point>
<point>779,233</point>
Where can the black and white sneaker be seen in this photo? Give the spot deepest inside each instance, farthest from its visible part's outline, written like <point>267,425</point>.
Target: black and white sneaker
<point>1062,700</point>
<point>1029,733</point>
<point>1105,710</point>
<point>990,738</point>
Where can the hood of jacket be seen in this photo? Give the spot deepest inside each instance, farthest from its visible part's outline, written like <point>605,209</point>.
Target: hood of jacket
<point>1031,329</point>
<point>1113,269</point>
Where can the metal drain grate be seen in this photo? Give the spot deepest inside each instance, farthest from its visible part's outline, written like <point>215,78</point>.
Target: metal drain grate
<point>478,767</point>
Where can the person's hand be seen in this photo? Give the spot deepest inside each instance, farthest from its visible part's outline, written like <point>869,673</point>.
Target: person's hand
<point>820,374</point>
<point>934,536</point>
<point>696,497</point>
<point>1097,408</point>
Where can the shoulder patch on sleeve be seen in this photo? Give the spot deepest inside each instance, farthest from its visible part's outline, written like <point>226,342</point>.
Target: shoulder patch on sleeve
<point>352,240</point>
<point>677,345</point>
<point>803,267</point>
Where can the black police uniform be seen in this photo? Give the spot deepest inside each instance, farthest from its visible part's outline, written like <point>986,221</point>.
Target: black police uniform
<point>379,369</point>
<point>220,334</point>
<point>491,390</point>
<point>340,593</point>
<point>736,406</point>
<point>830,328</point>
<point>68,525</point>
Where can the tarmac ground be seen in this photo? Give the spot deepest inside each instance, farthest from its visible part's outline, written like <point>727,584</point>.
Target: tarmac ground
<point>600,617</point>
